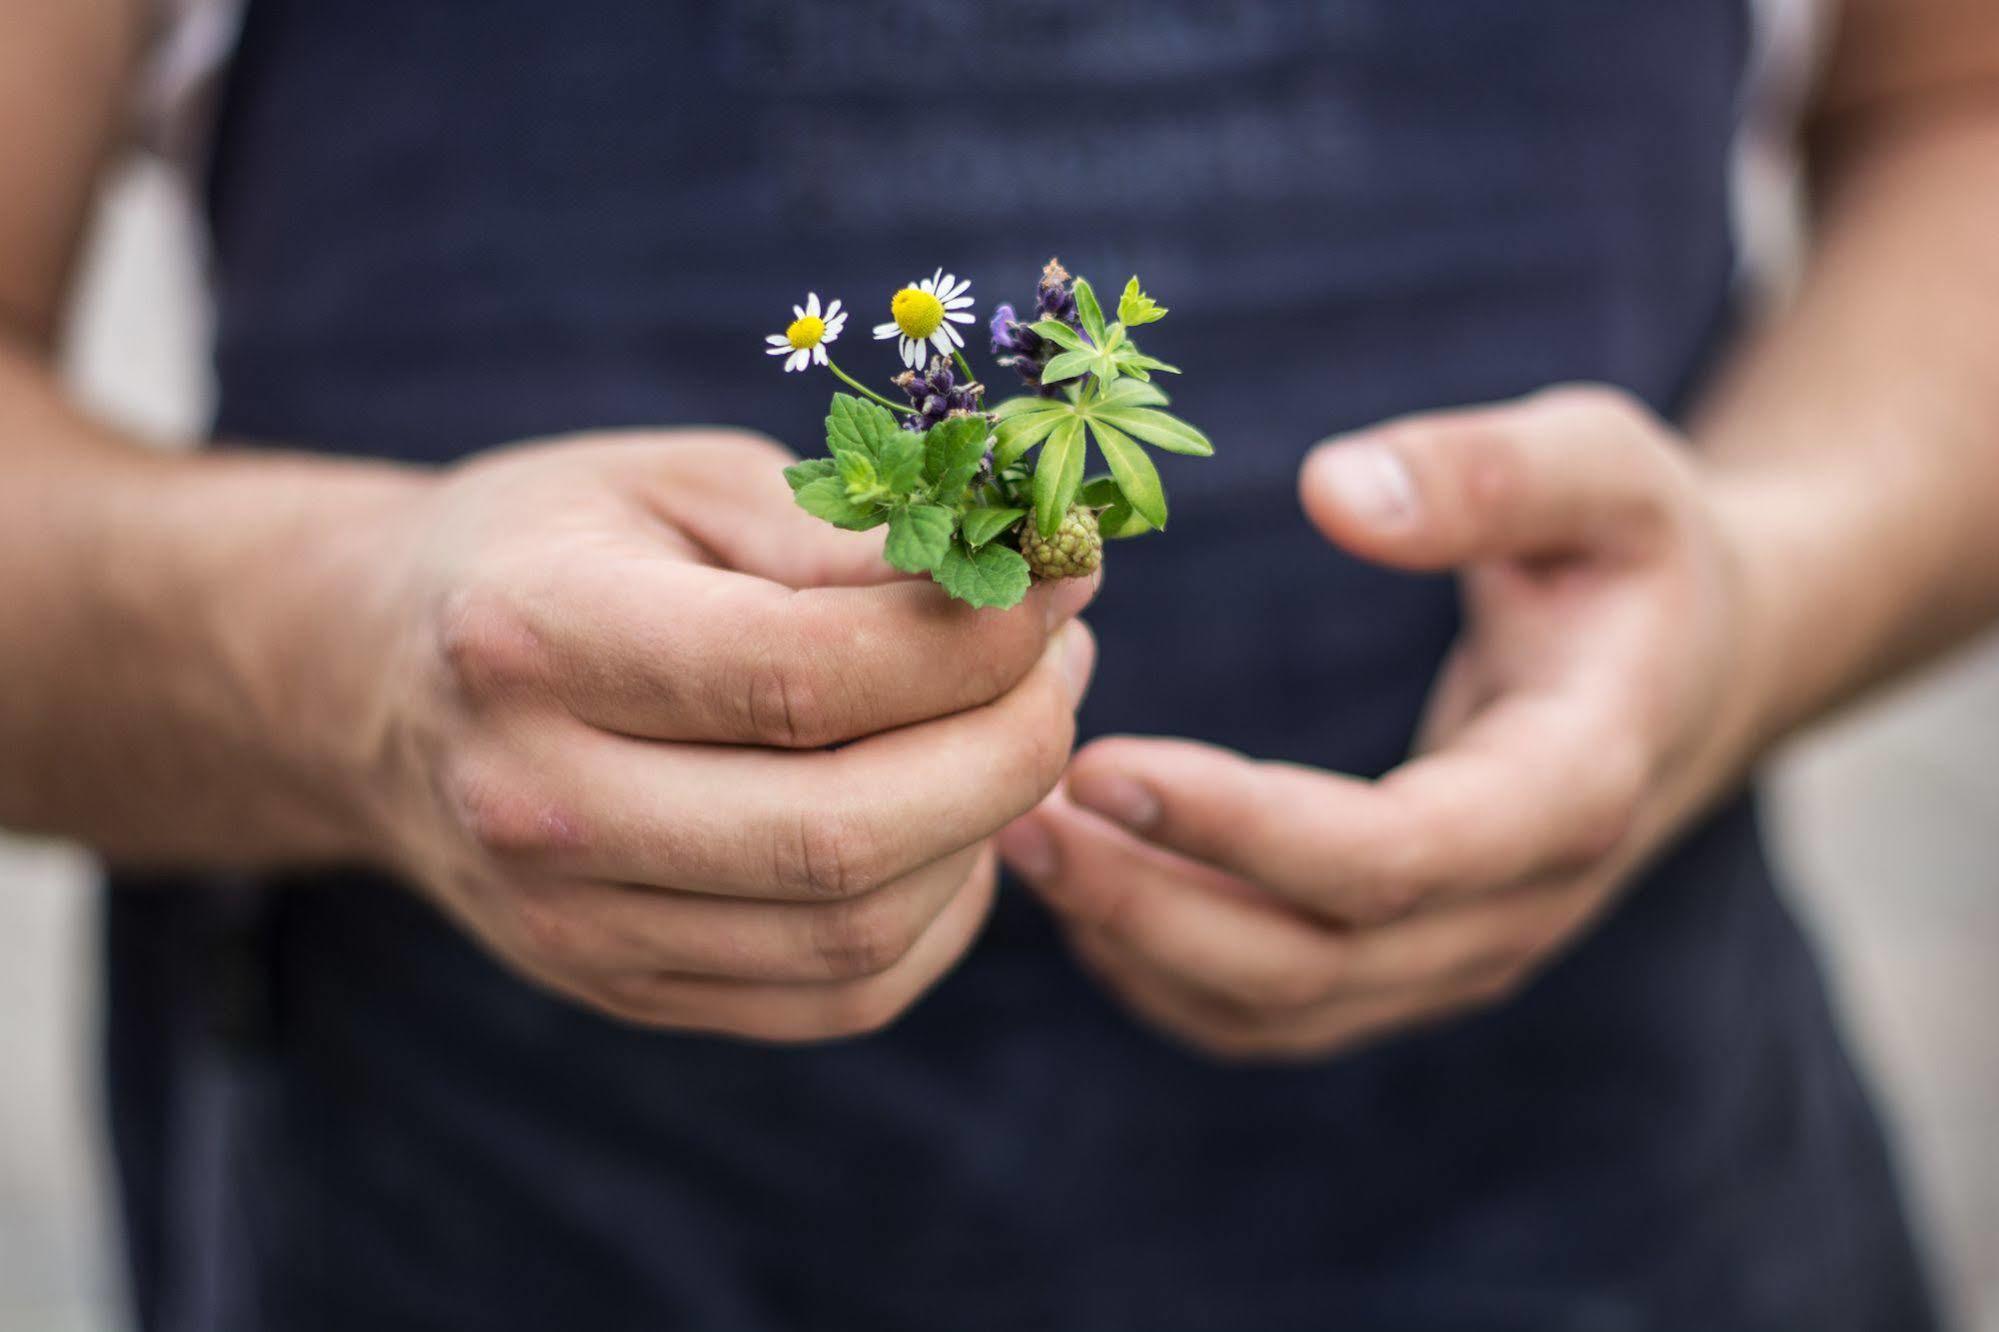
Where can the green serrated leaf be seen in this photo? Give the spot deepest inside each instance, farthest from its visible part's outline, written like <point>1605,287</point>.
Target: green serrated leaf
<point>952,451</point>
<point>992,576</point>
<point>1067,365</point>
<point>855,425</point>
<point>1157,428</point>
<point>1134,307</point>
<point>857,470</point>
<point>1136,477</point>
<point>901,462</point>
<point>1058,473</point>
<point>1020,433</point>
<point>982,525</point>
<point>918,536</point>
<point>1059,333</point>
<point>827,498</point>
<point>812,469</point>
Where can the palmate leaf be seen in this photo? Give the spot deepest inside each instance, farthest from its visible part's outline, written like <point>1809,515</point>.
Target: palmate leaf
<point>918,537</point>
<point>1022,430</point>
<point>1130,393</point>
<point>1069,364</point>
<point>1059,333</point>
<point>993,575</point>
<point>1159,429</point>
<point>1091,313</point>
<point>1135,307</point>
<point>1058,473</point>
<point>1137,478</point>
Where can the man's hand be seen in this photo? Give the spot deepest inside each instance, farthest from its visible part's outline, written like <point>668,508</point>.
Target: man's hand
<point>1602,692</point>
<point>642,727</point>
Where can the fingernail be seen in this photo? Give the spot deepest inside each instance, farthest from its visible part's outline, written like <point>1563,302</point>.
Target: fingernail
<point>1079,660</point>
<point>1026,846</point>
<point>1369,480</point>
<point>1065,601</point>
<point>1117,798</point>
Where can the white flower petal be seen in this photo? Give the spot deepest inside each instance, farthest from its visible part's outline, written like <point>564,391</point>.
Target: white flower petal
<point>961,317</point>
<point>812,304</point>
<point>834,325</point>
<point>799,360</point>
<point>832,310</point>
<point>785,350</point>
<point>952,288</point>
<point>819,356</point>
<point>887,330</point>
<point>912,353</point>
<point>778,340</point>
<point>798,312</point>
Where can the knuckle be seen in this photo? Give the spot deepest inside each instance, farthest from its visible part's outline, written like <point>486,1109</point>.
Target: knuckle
<point>546,928</point>
<point>1605,821</point>
<point>823,854</point>
<point>511,823</point>
<point>784,705</point>
<point>486,642</point>
<point>864,937</point>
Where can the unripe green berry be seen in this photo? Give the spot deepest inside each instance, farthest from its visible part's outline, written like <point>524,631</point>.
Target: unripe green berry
<point>1075,551</point>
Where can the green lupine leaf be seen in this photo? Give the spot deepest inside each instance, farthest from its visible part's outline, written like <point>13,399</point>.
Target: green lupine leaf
<point>1067,365</point>
<point>1135,307</point>
<point>827,498</point>
<point>1119,522</point>
<point>1026,406</point>
<point>982,525</point>
<point>1129,393</point>
<point>918,536</point>
<point>1059,333</point>
<point>1058,472</point>
<point>1105,366</point>
<point>1100,492</point>
<point>855,425</point>
<point>952,451</point>
<point>812,469</point>
<point>1136,476</point>
<point>1133,357</point>
<point>992,575</point>
<point>1018,434</point>
<point>1089,311</point>
<point>901,460</point>
<point>1159,429</point>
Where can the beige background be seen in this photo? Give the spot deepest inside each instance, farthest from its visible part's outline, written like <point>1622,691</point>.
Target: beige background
<point>1889,823</point>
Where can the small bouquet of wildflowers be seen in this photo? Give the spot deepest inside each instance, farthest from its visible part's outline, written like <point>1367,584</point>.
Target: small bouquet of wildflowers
<point>985,500</point>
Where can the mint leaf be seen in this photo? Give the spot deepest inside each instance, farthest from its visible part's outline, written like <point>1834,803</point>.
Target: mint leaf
<point>855,425</point>
<point>1136,477</point>
<point>1135,307</point>
<point>812,469</point>
<point>952,451</point>
<point>901,459</point>
<point>994,576</point>
<point>858,472</point>
<point>918,536</point>
<point>1157,428</point>
<point>982,525</point>
<point>827,498</point>
<point>1057,474</point>
<point>1089,311</point>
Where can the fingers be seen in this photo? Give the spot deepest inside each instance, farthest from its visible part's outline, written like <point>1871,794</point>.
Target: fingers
<point>611,929</point>
<point>1532,787</point>
<point>786,826</point>
<point>666,650</point>
<point>1565,472</point>
<point>794,1013</point>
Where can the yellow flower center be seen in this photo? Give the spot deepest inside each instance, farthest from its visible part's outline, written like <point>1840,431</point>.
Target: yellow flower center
<point>805,332</point>
<point>917,313</point>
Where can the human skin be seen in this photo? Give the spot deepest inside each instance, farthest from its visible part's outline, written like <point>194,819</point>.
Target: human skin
<point>1645,614</point>
<point>656,738</point>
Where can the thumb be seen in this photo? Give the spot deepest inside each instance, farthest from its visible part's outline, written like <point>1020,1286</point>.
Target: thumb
<point>1567,472</point>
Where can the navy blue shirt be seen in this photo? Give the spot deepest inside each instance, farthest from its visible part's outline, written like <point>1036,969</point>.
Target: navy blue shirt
<point>440,226</point>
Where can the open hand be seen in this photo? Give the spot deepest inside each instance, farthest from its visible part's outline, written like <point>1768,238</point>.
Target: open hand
<point>1598,697</point>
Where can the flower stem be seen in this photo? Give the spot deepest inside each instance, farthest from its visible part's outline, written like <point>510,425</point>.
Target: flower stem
<point>964,367</point>
<point>864,390</point>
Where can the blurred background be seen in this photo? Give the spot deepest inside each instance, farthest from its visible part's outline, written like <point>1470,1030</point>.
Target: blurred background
<point>1887,821</point>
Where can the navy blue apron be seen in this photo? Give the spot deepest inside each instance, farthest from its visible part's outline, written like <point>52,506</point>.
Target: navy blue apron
<point>441,225</point>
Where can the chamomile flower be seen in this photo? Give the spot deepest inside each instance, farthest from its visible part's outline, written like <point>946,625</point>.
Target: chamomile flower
<point>804,343</point>
<point>923,315</point>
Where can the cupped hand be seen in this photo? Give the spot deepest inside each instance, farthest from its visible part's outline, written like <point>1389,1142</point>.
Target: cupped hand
<point>1602,692</point>
<point>671,747</point>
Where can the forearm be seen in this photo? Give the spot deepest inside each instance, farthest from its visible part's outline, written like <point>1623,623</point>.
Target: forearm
<point>179,671</point>
<point>1854,448</point>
